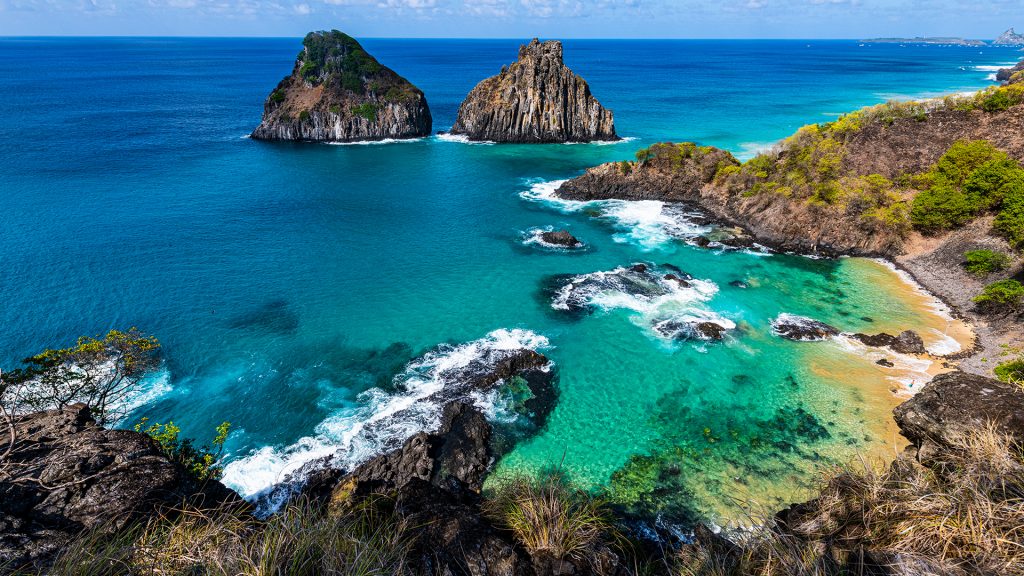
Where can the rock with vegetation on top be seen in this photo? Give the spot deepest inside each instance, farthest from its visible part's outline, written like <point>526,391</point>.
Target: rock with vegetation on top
<point>1011,75</point>
<point>65,474</point>
<point>534,100</point>
<point>340,93</point>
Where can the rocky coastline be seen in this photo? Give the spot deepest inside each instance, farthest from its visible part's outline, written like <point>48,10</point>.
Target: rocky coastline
<point>536,99</point>
<point>337,92</point>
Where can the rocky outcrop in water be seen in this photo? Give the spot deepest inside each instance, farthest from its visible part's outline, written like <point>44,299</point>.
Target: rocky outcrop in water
<point>337,92</point>
<point>908,342</point>
<point>561,238</point>
<point>1010,38</point>
<point>65,474</point>
<point>1011,75</point>
<point>536,99</point>
<point>802,329</point>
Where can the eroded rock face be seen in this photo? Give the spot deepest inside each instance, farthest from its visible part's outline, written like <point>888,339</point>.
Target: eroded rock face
<point>534,100</point>
<point>956,403</point>
<point>337,92</point>
<point>66,474</point>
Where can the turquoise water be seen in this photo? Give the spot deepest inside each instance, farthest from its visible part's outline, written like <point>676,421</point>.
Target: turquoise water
<point>291,283</point>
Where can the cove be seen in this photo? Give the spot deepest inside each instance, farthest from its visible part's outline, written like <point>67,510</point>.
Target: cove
<point>291,284</point>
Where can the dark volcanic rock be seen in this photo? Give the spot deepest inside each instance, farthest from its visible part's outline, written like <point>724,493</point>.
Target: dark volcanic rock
<point>339,93</point>
<point>885,362</point>
<point>956,403</point>
<point>801,329</point>
<point>66,474</point>
<point>695,330</point>
<point>908,342</point>
<point>560,238</point>
<point>535,99</point>
<point>455,457</point>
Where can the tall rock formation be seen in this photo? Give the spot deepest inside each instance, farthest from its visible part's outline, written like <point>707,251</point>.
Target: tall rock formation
<point>1010,38</point>
<point>536,99</point>
<point>339,93</point>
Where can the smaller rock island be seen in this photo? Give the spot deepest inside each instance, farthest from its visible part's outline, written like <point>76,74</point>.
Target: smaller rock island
<point>536,99</point>
<point>337,92</point>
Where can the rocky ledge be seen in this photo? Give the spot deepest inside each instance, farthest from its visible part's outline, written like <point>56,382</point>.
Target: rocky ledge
<point>338,92</point>
<point>536,99</point>
<point>65,475</point>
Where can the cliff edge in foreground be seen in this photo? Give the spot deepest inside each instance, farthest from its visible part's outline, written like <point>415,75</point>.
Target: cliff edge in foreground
<point>536,99</point>
<point>338,92</point>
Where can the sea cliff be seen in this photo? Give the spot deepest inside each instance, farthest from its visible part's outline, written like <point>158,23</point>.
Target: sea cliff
<point>536,99</point>
<point>337,92</point>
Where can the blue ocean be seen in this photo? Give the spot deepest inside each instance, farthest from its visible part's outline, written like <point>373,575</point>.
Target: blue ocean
<point>306,291</point>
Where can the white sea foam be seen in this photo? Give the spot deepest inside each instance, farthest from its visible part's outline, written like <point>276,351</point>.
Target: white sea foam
<point>535,237</point>
<point>750,149</point>
<point>382,420</point>
<point>944,344</point>
<point>994,68</point>
<point>909,372</point>
<point>655,300</point>
<point>375,142</point>
<point>647,224</point>
<point>460,139</point>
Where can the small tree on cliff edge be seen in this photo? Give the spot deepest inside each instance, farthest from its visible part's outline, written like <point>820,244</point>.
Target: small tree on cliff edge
<point>100,372</point>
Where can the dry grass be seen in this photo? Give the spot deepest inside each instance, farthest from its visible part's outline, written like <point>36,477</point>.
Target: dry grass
<point>550,517</point>
<point>366,539</point>
<point>963,513</point>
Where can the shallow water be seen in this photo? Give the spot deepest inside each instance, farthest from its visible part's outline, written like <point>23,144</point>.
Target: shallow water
<point>291,283</point>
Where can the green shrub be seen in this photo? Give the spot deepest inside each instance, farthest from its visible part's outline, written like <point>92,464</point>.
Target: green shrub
<point>984,262</point>
<point>940,208</point>
<point>200,462</point>
<point>1000,297</point>
<point>970,179</point>
<point>1009,222</point>
<point>366,110</point>
<point>625,168</point>
<point>277,96</point>
<point>1012,371</point>
<point>304,115</point>
<point>549,516</point>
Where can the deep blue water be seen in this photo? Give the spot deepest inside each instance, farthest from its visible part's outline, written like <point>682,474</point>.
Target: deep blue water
<point>285,279</point>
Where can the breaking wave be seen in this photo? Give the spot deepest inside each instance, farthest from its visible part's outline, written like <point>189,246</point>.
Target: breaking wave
<point>647,224</point>
<point>658,298</point>
<point>382,420</point>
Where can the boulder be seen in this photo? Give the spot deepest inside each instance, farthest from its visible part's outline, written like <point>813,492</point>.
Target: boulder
<point>908,342</point>
<point>802,329</point>
<point>337,92</point>
<point>560,238</point>
<point>534,100</point>
<point>66,474</point>
<point>955,403</point>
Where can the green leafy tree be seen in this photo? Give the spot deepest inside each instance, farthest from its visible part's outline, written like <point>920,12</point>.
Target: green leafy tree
<point>101,372</point>
<point>201,462</point>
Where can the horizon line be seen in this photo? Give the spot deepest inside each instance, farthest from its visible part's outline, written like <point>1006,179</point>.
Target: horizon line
<point>628,38</point>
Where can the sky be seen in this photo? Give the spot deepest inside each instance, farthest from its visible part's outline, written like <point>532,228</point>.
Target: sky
<point>515,18</point>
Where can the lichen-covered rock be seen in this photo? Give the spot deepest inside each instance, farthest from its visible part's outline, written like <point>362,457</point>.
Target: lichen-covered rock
<point>65,474</point>
<point>534,100</point>
<point>339,93</point>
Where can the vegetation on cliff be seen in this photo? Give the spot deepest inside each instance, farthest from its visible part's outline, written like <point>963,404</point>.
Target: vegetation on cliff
<point>339,92</point>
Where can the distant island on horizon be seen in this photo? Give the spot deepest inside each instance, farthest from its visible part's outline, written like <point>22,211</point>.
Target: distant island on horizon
<point>1008,38</point>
